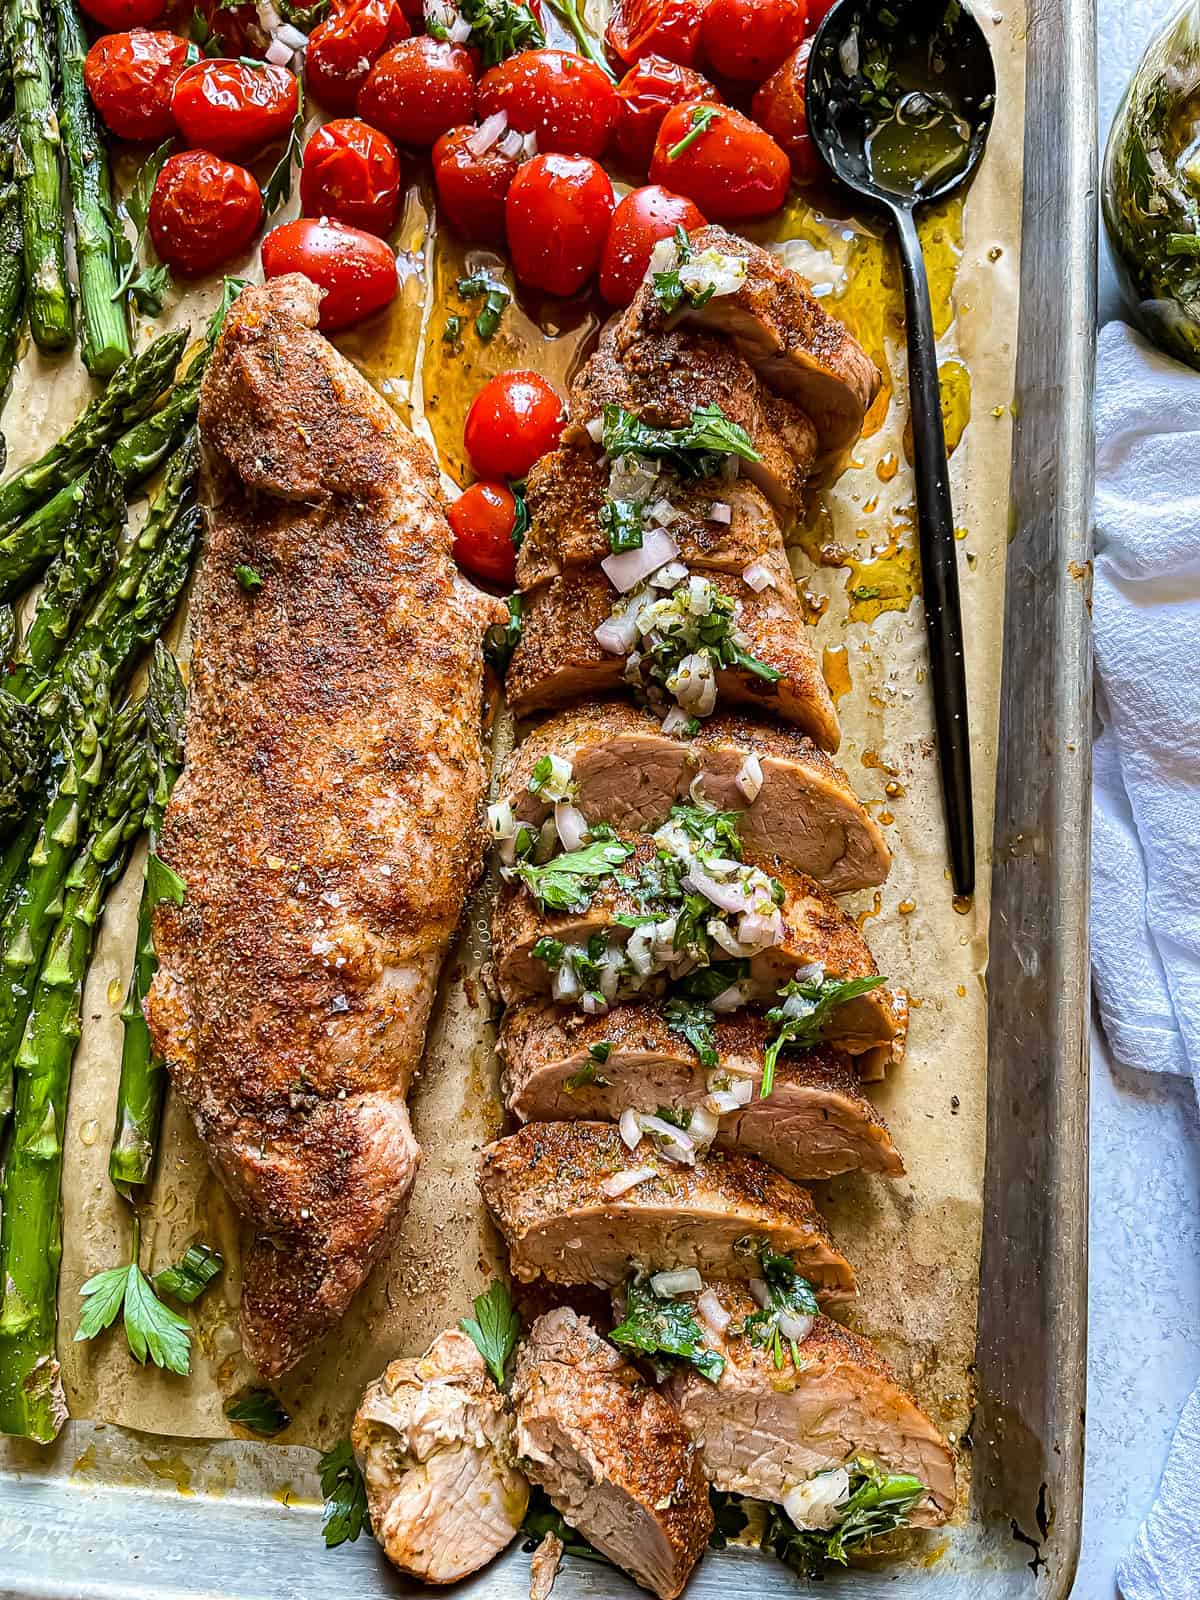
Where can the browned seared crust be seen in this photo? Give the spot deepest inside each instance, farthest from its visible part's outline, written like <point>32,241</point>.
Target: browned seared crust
<point>629,773</point>
<point>762,1427</point>
<point>558,659</point>
<point>326,823</point>
<point>543,1187</point>
<point>662,377</point>
<point>817,1123</point>
<point>566,490</point>
<point>610,1453</point>
<point>817,930</point>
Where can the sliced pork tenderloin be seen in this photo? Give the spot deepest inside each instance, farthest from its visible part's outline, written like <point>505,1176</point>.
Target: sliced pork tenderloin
<point>434,1443</point>
<point>560,1064</point>
<point>626,771</point>
<point>610,1453</point>
<point>576,1205</point>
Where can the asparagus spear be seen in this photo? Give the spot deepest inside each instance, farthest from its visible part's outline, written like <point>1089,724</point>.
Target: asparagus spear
<point>128,398</point>
<point>12,259</point>
<point>88,552</point>
<point>140,1093</point>
<point>22,745</point>
<point>8,636</point>
<point>31,1398</point>
<point>104,327</point>
<point>38,177</point>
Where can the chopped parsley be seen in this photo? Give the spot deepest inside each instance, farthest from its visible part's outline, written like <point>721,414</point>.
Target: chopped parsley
<point>879,1503</point>
<point>587,1074</point>
<point>695,1023</point>
<point>567,882</point>
<point>502,638</point>
<point>669,289</point>
<point>789,1292</point>
<point>624,521</point>
<point>248,578</point>
<point>496,297</point>
<point>499,28</point>
<point>656,1325</point>
<point>801,1020</point>
<point>696,450</point>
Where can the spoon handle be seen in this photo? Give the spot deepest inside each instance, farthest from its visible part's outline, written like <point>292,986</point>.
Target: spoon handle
<point>939,561</point>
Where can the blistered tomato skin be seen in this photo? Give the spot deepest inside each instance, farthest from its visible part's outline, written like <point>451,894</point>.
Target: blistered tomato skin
<point>639,222</point>
<point>515,419</point>
<point>418,90</point>
<point>566,101</point>
<point>232,109</point>
<point>482,520</point>
<point>351,172</point>
<point>356,269</point>
<point>124,13</point>
<point>131,77</point>
<point>644,95</point>
<point>731,168</point>
<point>669,28</point>
<point>746,40</point>
<point>341,49</point>
<point>557,216</point>
<point>204,212</point>
<point>778,107</point>
<point>472,189</point>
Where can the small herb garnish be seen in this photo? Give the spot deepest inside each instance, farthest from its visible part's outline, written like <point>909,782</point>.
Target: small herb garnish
<point>499,28</point>
<point>696,1024</point>
<point>191,1275</point>
<point>695,450</point>
<point>278,188</point>
<point>669,289</point>
<point>542,1518</point>
<point>520,525</point>
<point>345,1496</point>
<point>800,1021</point>
<point>600,1052</point>
<point>153,279</point>
<point>879,1503</point>
<point>789,1292</point>
<point>587,1074</point>
<point>163,883</point>
<point>258,1410</point>
<point>659,1326</point>
<point>494,1329</point>
<point>248,578</point>
<point>452,332</point>
<point>502,638</point>
<point>496,296</point>
<point>152,1330</point>
<point>702,118</point>
<point>567,882</point>
<point>624,521</point>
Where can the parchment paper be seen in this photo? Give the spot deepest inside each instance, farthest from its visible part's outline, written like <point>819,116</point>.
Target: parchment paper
<point>915,1241</point>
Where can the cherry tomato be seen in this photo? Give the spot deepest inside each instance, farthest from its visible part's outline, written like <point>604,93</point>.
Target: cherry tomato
<point>233,30</point>
<point>514,419</point>
<point>340,50</point>
<point>729,167</point>
<point>568,102</point>
<point>233,109</point>
<point>482,519</point>
<point>668,28</point>
<point>747,39</point>
<point>356,269</point>
<point>124,13</point>
<point>557,215</point>
<point>130,77</point>
<point>419,89</point>
<point>471,189</point>
<point>818,10</point>
<point>645,94</point>
<point>639,222</point>
<point>203,212</point>
<point>779,107</point>
<point>351,172</point>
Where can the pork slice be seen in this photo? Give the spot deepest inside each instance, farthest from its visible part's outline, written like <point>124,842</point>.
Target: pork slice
<point>434,1443</point>
<point>764,1429</point>
<point>559,1064</point>
<point>629,773</point>
<point>610,1453</point>
<point>817,933</point>
<point>545,1187</point>
<point>779,327</point>
<point>567,488</point>
<point>664,376</point>
<point>558,659</point>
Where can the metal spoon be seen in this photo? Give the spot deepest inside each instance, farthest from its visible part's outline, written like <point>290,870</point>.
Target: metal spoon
<point>900,96</point>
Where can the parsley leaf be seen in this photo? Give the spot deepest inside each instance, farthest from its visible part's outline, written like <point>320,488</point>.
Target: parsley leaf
<point>153,1329</point>
<point>494,1329</point>
<point>706,983</point>
<point>250,580</point>
<point>624,521</point>
<point>344,1494</point>
<point>149,289</point>
<point>137,208</point>
<point>191,1275</point>
<point>163,883</point>
<point>696,1024</point>
<point>278,188</point>
<point>258,1410</point>
<point>879,1503</point>
<point>568,882</point>
<point>669,288</point>
<point>658,1325</point>
<point>788,1291</point>
<point>695,450</point>
<point>811,1005</point>
<point>496,297</point>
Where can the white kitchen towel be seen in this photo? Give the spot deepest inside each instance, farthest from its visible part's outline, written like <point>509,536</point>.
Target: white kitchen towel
<point>1146,821</point>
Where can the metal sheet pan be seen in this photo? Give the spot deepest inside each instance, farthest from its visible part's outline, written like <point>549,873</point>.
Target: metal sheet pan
<point>107,1514</point>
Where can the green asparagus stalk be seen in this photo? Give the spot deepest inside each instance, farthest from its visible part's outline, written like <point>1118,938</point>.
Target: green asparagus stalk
<point>128,398</point>
<point>104,326</point>
<point>38,177</point>
<point>22,746</point>
<point>12,259</point>
<point>25,551</point>
<point>31,1398</point>
<point>143,1075</point>
<point>88,552</point>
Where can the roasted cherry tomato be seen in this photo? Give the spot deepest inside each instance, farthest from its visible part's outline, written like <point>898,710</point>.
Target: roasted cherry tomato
<point>471,189</point>
<point>204,211</point>
<point>645,94</point>
<point>568,102</point>
<point>483,518</point>
<point>131,77</point>
<point>233,30</point>
<point>418,89</point>
<point>747,39</point>
<point>340,50</point>
<point>356,269</point>
<point>639,222</point>
<point>557,215</point>
<point>351,172</point>
<point>779,108</point>
<point>818,10</point>
<point>668,28</point>
<point>721,160</point>
<point>514,419</point>
<point>124,13</point>
<point>234,109</point>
